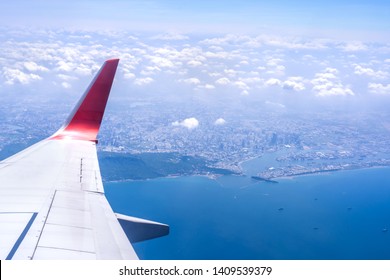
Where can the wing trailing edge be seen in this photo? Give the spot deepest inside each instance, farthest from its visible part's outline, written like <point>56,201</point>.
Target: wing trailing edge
<point>84,121</point>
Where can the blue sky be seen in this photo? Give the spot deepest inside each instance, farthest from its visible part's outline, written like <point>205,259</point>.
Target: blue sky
<point>351,19</point>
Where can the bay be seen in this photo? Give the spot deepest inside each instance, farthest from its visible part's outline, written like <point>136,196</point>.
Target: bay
<point>336,215</point>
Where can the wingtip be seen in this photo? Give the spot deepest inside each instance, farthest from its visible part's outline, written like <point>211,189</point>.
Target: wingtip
<point>113,60</point>
<point>84,122</point>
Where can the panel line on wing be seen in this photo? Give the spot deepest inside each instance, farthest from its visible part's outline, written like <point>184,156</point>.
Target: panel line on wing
<point>47,215</point>
<point>66,249</point>
<point>21,237</point>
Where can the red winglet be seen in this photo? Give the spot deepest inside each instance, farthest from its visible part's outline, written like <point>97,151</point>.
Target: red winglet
<point>84,122</point>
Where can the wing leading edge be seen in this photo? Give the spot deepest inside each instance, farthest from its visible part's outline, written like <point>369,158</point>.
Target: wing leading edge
<point>52,202</point>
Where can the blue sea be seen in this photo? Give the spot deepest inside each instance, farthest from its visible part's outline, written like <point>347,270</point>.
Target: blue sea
<point>336,215</point>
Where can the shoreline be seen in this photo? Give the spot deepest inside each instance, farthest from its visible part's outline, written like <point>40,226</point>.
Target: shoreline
<point>257,178</point>
<point>324,172</point>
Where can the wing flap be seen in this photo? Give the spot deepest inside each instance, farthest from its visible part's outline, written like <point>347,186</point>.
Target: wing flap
<point>78,224</point>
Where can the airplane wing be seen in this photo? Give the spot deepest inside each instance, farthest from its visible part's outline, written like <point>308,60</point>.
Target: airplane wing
<point>52,202</point>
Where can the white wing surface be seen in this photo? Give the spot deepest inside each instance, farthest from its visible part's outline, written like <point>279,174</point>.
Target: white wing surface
<point>52,202</point>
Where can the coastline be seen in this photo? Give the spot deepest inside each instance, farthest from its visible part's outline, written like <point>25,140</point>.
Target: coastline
<point>325,172</point>
<point>270,176</point>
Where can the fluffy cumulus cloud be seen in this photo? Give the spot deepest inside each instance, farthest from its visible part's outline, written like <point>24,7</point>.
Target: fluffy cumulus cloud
<point>366,71</point>
<point>327,83</point>
<point>294,83</point>
<point>223,81</point>
<point>194,63</point>
<point>189,123</point>
<point>16,76</point>
<point>74,68</point>
<point>274,66</point>
<point>241,85</point>
<point>354,46</point>
<point>220,121</point>
<point>191,81</point>
<point>33,67</point>
<point>161,62</point>
<point>273,82</point>
<point>379,88</point>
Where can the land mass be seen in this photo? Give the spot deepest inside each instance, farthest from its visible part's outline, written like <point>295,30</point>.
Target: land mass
<point>125,166</point>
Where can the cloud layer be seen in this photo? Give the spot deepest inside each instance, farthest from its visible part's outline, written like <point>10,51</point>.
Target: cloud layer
<point>185,65</point>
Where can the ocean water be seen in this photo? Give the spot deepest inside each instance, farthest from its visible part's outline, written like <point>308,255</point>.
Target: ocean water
<point>336,215</point>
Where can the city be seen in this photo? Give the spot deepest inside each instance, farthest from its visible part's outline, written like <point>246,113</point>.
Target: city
<point>277,144</point>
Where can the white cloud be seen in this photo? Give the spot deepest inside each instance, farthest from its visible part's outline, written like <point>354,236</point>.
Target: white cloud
<point>334,90</point>
<point>191,81</point>
<point>273,82</point>
<point>273,66</point>
<point>83,70</point>
<point>273,41</point>
<point>353,46</point>
<point>161,62</point>
<point>229,39</point>
<point>360,70</point>
<point>294,83</point>
<point>231,72</point>
<point>194,63</point>
<point>379,88</point>
<point>150,70</point>
<point>129,76</point>
<point>66,77</point>
<point>331,70</point>
<point>33,67</point>
<point>209,86</point>
<point>220,121</point>
<point>66,85</point>
<point>171,37</point>
<point>363,71</point>
<point>274,61</point>
<point>294,43</point>
<point>189,123</point>
<point>252,80</point>
<point>223,81</point>
<point>241,85</point>
<point>65,66</point>
<point>13,76</point>
<point>215,74</point>
<point>328,84</point>
<point>143,81</point>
